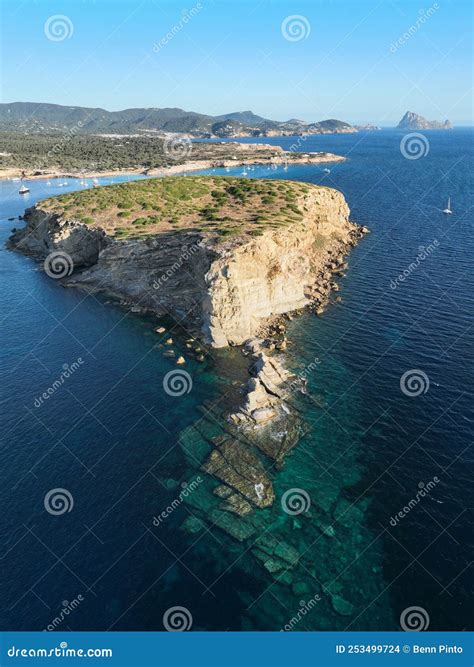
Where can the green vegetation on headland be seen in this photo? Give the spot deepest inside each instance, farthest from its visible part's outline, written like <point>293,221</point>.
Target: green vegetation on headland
<point>222,206</point>
<point>74,153</point>
<point>53,153</point>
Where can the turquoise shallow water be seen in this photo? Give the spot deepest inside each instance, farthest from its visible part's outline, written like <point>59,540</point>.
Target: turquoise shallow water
<point>114,438</point>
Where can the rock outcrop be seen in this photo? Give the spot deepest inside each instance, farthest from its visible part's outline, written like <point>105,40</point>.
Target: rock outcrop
<point>412,121</point>
<point>46,233</point>
<point>223,290</point>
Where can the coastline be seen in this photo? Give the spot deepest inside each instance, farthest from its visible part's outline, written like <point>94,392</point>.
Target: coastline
<point>283,286</point>
<point>172,170</point>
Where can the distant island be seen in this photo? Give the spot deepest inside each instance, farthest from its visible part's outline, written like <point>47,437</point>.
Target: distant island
<point>43,118</point>
<point>412,121</point>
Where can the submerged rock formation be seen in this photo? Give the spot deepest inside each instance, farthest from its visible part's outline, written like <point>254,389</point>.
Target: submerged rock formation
<point>231,290</point>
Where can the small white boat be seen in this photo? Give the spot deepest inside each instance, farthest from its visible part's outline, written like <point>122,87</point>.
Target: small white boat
<point>23,190</point>
<point>447,210</point>
<point>326,170</point>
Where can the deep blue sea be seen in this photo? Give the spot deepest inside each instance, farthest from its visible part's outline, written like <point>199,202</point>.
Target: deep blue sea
<point>122,447</point>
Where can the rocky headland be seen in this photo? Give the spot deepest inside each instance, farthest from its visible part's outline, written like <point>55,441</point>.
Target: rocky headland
<point>225,254</point>
<point>225,257</point>
<point>234,261</point>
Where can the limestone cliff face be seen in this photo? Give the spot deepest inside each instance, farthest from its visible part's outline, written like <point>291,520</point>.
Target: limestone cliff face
<point>270,275</point>
<point>223,290</point>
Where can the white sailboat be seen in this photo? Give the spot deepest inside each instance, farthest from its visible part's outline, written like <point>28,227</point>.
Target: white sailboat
<point>447,210</point>
<point>23,190</point>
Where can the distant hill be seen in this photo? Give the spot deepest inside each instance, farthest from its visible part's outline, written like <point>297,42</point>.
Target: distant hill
<point>43,118</point>
<point>412,121</point>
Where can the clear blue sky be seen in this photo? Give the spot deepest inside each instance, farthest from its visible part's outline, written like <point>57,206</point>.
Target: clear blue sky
<point>231,55</point>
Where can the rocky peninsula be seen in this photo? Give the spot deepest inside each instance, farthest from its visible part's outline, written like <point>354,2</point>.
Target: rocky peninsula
<point>223,256</point>
<point>225,253</point>
<point>233,260</point>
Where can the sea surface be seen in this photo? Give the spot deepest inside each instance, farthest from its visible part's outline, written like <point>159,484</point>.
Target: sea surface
<point>389,414</point>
